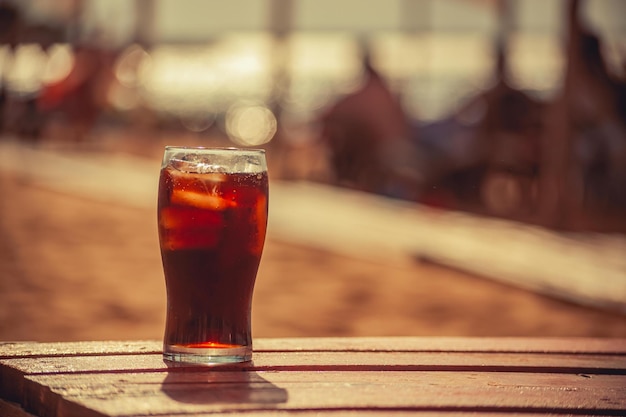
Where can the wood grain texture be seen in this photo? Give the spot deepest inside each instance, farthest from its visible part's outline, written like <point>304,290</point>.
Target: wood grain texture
<point>34,349</point>
<point>173,392</point>
<point>346,361</point>
<point>392,344</point>
<point>334,376</point>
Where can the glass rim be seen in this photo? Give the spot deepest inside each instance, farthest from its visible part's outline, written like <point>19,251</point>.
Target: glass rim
<point>224,150</point>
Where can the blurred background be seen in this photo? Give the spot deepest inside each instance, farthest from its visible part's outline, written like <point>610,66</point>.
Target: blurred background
<point>451,167</point>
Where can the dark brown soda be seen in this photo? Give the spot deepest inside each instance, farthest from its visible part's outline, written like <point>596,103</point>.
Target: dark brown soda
<point>212,231</point>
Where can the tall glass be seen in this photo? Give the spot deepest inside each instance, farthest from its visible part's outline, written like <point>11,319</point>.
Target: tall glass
<point>212,215</point>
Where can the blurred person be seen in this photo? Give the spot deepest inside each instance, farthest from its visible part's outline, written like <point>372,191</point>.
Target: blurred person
<point>509,137</point>
<point>598,120</point>
<point>369,138</point>
<point>81,96</point>
<point>485,155</point>
<point>584,186</point>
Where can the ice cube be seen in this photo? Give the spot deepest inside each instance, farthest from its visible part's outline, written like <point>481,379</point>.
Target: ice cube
<point>204,181</point>
<point>200,200</point>
<point>196,164</point>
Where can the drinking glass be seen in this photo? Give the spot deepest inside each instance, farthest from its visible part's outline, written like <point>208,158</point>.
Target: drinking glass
<point>212,217</point>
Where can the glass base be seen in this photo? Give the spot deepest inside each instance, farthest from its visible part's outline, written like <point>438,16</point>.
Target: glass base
<point>207,356</point>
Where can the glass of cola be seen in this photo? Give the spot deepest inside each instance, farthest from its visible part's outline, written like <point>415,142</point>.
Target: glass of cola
<point>212,218</point>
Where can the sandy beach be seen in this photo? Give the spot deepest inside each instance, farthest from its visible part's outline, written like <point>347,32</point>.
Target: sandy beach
<point>76,268</point>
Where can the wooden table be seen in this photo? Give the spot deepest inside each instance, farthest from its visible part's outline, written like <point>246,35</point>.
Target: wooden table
<point>320,376</point>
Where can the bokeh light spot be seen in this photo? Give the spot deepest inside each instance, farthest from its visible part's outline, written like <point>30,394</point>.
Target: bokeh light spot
<point>250,124</point>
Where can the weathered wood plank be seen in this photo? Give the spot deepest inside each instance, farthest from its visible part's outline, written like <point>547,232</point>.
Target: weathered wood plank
<point>15,387</point>
<point>137,384</point>
<point>447,344</point>
<point>378,375</point>
<point>347,361</point>
<point>35,349</point>
<point>339,390</point>
<point>399,398</point>
<point>384,344</point>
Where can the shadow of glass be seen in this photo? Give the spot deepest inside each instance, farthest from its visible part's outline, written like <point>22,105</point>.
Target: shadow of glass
<point>221,385</point>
